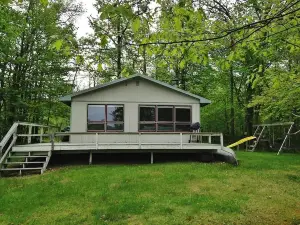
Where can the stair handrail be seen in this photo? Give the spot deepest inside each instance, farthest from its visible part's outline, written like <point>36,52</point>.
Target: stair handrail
<point>11,131</point>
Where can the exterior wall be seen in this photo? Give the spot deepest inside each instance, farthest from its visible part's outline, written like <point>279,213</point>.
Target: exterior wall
<point>146,92</point>
<point>130,95</point>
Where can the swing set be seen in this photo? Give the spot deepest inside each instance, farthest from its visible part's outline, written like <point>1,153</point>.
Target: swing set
<point>275,135</point>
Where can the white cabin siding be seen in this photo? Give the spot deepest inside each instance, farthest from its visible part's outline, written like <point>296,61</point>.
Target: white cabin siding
<point>146,92</point>
<point>131,96</point>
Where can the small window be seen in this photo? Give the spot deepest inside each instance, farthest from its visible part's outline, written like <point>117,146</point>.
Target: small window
<point>183,114</point>
<point>96,127</point>
<point>114,126</point>
<point>96,113</point>
<point>115,113</point>
<point>182,127</point>
<point>147,127</point>
<point>165,113</point>
<point>105,118</point>
<point>165,127</point>
<point>147,113</point>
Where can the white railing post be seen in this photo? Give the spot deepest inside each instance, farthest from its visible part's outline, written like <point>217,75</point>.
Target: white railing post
<point>180,140</point>
<point>209,139</point>
<point>140,144</point>
<point>52,139</point>
<point>221,140</point>
<point>29,132</point>
<point>96,141</point>
<point>42,133</point>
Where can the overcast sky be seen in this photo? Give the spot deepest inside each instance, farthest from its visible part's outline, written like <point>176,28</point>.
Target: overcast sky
<point>82,22</point>
<point>84,28</point>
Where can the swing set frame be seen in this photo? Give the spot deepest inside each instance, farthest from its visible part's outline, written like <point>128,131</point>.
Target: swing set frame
<point>258,133</point>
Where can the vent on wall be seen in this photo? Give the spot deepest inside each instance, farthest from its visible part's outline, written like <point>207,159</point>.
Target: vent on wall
<point>137,83</point>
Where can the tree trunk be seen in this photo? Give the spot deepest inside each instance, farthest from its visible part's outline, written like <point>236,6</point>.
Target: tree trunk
<point>144,60</point>
<point>119,49</point>
<point>249,111</point>
<point>232,127</point>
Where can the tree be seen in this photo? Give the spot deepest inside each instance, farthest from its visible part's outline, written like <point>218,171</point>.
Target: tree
<point>37,49</point>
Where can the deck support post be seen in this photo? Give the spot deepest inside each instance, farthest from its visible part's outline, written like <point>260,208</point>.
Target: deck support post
<point>151,157</point>
<point>91,158</point>
<point>209,139</point>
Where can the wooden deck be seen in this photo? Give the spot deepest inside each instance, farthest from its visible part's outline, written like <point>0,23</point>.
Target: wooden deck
<point>89,142</point>
<point>120,147</point>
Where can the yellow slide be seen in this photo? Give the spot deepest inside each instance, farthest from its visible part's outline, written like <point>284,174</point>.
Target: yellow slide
<point>241,141</point>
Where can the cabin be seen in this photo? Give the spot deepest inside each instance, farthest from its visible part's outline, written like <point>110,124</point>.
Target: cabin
<point>137,114</point>
<point>131,105</point>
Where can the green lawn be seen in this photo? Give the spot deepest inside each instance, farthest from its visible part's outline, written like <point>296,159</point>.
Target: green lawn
<point>263,189</point>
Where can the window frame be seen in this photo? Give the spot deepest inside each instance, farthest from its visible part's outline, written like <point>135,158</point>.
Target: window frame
<point>105,121</point>
<point>156,122</point>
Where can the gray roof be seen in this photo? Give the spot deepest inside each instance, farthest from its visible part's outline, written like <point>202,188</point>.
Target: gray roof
<point>67,99</point>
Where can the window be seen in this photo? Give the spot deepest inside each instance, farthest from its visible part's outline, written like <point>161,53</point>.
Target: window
<point>183,119</point>
<point>159,118</point>
<point>105,118</point>
<point>147,118</point>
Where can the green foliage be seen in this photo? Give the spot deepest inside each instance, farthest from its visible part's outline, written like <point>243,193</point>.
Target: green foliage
<point>249,73</point>
<point>37,49</point>
<point>136,25</point>
<point>57,44</point>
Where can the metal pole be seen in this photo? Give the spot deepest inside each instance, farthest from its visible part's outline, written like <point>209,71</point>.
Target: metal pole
<point>285,139</point>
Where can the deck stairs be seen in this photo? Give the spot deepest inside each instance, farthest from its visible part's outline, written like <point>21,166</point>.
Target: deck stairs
<point>28,161</point>
<point>25,162</point>
<point>258,134</point>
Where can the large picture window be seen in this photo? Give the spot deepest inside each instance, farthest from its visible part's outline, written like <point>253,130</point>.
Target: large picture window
<point>159,118</point>
<point>105,118</point>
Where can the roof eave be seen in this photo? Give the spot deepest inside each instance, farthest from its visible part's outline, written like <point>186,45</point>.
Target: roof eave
<point>66,99</point>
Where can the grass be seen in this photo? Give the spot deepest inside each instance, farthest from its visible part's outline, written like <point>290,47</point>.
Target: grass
<point>263,189</point>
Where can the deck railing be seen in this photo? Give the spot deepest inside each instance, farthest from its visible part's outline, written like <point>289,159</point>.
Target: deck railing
<point>139,135</point>
<point>42,131</point>
<point>9,140</point>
